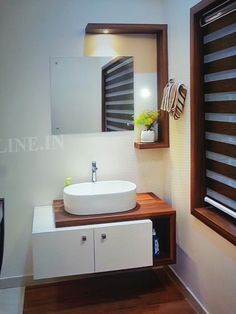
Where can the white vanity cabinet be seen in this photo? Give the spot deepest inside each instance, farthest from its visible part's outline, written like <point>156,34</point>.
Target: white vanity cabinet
<point>63,253</point>
<point>90,248</point>
<point>123,245</point>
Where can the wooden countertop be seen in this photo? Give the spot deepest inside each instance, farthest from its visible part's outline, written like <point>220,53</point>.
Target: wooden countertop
<point>148,206</point>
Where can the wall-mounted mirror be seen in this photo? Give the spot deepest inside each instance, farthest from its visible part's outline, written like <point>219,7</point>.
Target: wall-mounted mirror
<point>101,93</point>
<point>91,94</point>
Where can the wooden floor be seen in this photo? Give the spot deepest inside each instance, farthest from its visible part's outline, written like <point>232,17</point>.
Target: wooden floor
<point>149,291</point>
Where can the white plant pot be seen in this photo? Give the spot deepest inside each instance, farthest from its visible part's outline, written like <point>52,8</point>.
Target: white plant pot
<point>147,136</point>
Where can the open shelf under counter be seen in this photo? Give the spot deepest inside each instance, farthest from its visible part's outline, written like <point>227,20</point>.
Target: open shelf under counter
<point>162,259</point>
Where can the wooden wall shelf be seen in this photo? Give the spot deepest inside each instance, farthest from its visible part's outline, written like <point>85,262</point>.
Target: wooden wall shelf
<point>160,30</point>
<point>149,206</point>
<point>120,28</point>
<point>140,145</point>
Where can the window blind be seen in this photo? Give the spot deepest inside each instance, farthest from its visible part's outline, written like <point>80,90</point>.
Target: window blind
<point>118,95</point>
<point>219,49</point>
<point>218,12</point>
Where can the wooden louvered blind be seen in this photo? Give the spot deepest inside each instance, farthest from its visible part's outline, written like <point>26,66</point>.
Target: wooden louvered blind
<point>118,95</point>
<point>219,48</point>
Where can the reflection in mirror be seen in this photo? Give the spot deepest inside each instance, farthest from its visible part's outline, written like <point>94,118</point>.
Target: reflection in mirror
<point>143,48</point>
<point>91,94</point>
<point>74,109</point>
<point>79,96</point>
<point>118,95</point>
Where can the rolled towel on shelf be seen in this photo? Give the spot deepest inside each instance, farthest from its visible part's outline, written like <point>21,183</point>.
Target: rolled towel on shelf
<point>173,99</point>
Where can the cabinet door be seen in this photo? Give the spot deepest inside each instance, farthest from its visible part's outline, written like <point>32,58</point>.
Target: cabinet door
<point>123,245</point>
<point>63,253</point>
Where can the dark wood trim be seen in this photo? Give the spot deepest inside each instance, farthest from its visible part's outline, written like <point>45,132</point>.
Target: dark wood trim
<point>117,28</point>
<point>222,224</point>
<point>173,238</point>
<point>162,69</point>
<point>211,217</point>
<point>148,205</point>
<point>162,66</point>
<point>153,145</point>
<point>198,190</point>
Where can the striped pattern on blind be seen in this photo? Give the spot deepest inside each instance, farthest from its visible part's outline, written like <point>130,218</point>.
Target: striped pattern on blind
<point>118,95</point>
<point>219,40</point>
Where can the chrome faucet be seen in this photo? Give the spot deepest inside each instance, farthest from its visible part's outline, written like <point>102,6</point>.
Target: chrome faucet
<point>94,171</point>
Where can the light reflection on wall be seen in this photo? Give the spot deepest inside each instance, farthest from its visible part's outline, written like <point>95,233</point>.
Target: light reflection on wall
<point>100,45</point>
<point>145,92</point>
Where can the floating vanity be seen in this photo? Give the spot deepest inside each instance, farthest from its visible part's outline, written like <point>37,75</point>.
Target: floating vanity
<point>66,244</point>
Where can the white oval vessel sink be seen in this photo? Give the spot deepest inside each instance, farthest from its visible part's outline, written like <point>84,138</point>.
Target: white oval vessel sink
<point>99,197</point>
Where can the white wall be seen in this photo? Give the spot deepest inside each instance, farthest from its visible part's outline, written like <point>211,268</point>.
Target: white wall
<point>31,32</point>
<point>33,173</point>
<point>205,261</point>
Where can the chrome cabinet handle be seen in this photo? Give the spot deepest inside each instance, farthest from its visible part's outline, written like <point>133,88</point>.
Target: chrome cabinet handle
<point>103,236</point>
<point>84,238</point>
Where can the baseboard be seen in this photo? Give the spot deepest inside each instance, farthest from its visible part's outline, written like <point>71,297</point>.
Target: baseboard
<point>197,305</point>
<point>14,282</point>
<point>28,280</point>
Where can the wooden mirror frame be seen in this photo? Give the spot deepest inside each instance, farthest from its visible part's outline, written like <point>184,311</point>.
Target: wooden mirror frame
<point>160,30</point>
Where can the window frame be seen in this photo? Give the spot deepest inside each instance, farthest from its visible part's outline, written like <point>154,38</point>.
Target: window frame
<point>212,217</point>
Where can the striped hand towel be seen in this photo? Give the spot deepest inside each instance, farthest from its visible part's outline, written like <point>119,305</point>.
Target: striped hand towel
<point>173,99</point>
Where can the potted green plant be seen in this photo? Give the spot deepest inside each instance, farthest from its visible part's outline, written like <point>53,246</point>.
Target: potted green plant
<point>148,119</point>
